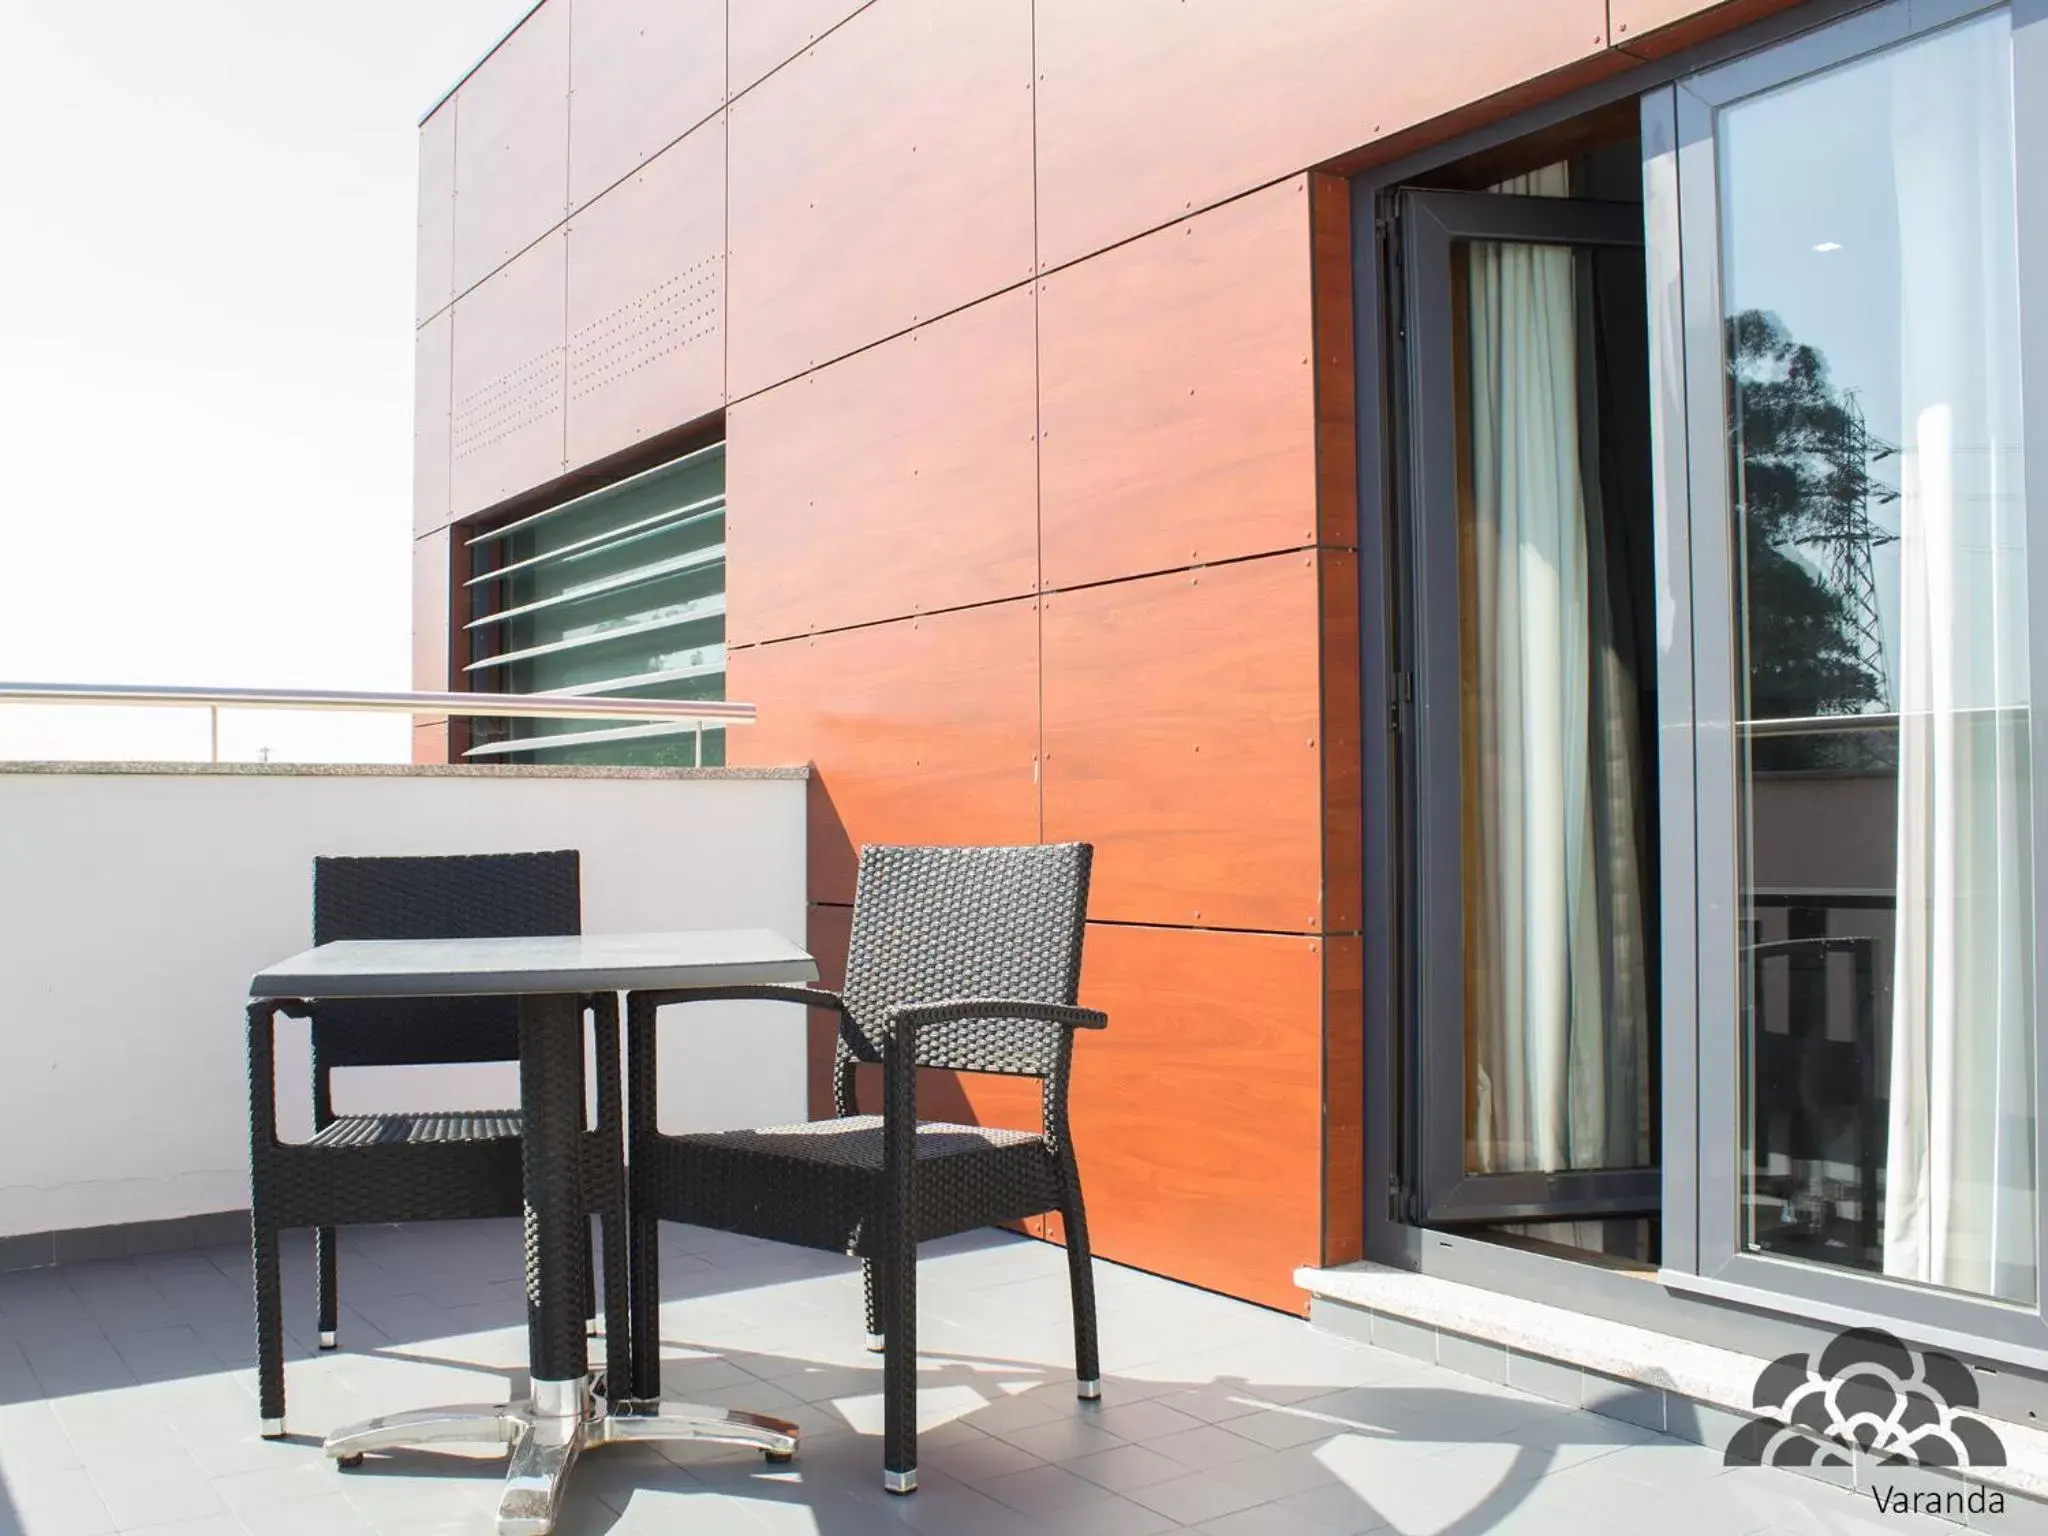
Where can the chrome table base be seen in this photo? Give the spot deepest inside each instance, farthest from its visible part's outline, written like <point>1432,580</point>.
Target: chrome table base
<point>549,1430</point>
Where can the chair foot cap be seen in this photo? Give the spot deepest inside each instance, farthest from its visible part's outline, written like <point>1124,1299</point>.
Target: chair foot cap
<point>877,1343</point>
<point>778,1458</point>
<point>900,1482</point>
<point>1089,1389</point>
<point>273,1429</point>
<point>349,1463</point>
<point>327,1340</point>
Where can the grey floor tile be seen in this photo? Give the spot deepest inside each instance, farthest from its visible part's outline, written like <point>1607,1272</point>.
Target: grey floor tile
<point>955,1509</point>
<point>32,1439</point>
<point>1146,1419</point>
<point>329,1515</point>
<point>120,1295</point>
<point>1126,1467</point>
<point>1266,1427</point>
<point>73,1363</point>
<point>1329,1511</point>
<point>1219,1491</point>
<point>1061,1439</point>
<point>1212,1445</point>
<point>257,1497</point>
<point>1278,1428</point>
<point>978,1460</point>
<point>1215,1403</point>
<point>162,1354</point>
<point>153,1486</point>
<point>1063,1501</point>
<point>2013,1516</point>
<point>1014,1411</point>
<point>1664,1462</point>
<point>58,1504</point>
<point>105,1428</point>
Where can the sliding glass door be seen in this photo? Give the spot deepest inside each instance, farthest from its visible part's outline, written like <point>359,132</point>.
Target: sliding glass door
<point>1857,345</point>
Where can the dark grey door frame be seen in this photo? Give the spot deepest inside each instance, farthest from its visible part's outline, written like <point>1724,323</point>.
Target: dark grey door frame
<point>1430,224</point>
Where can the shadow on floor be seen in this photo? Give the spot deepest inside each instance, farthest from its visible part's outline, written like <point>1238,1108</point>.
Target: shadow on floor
<point>1216,1415</point>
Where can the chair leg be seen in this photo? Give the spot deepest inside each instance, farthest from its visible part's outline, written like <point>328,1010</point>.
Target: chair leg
<point>269,1287</point>
<point>589,1280</point>
<point>643,1261</point>
<point>327,1273</point>
<point>876,1338</point>
<point>1081,1278</point>
<point>899,1373</point>
<point>618,1309</point>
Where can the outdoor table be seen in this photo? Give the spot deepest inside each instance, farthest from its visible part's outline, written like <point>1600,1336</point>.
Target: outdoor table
<point>568,1409</point>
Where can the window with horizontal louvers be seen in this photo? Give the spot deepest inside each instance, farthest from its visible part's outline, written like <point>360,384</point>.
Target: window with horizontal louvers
<point>618,591</point>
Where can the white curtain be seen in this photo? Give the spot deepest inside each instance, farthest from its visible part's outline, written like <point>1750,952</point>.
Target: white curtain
<point>1959,1201</point>
<point>1556,1009</point>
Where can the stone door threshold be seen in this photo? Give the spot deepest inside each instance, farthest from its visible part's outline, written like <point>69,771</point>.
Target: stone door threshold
<point>1676,1386</point>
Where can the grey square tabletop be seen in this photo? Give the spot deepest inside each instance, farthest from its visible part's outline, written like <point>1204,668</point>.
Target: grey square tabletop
<point>589,962</point>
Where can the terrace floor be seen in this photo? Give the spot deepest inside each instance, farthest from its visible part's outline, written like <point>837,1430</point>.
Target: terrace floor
<point>126,1405</point>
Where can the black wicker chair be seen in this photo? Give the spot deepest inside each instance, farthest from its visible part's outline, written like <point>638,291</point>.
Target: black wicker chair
<point>962,958</point>
<point>363,1169</point>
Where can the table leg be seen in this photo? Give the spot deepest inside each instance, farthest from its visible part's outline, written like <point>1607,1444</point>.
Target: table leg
<point>566,1412</point>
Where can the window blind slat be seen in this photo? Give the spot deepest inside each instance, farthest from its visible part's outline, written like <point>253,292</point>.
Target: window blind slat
<point>586,738</point>
<point>710,554</point>
<point>584,501</point>
<point>698,610</point>
<point>682,517</point>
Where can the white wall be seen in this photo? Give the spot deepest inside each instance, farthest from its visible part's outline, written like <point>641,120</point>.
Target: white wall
<point>134,907</point>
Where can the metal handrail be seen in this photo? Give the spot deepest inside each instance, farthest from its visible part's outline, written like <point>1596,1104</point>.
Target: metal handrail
<point>538,706</point>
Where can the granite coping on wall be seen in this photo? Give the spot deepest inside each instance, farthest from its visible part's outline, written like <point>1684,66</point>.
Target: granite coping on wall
<point>1703,1373</point>
<point>406,770</point>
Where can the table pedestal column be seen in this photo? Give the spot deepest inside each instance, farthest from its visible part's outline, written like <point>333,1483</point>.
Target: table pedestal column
<point>567,1410</point>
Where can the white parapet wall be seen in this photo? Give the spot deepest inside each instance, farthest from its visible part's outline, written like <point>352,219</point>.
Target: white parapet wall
<point>136,902</point>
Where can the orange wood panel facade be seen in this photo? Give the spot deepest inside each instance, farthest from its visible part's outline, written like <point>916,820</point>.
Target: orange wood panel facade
<point>837,482</point>
<point>1343,1100</point>
<point>642,73</point>
<point>766,36</point>
<point>646,300</point>
<point>1653,28</point>
<point>1030,322</point>
<point>1151,108</point>
<point>507,398</point>
<point>1336,381</point>
<point>1181,725</point>
<point>922,730</point>
<point>880,180</point>
<point>1176,395</point>
<point>512,146</point>
<point>1198,1113</point>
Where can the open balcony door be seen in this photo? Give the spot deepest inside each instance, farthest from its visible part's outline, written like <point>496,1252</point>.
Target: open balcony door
<point>1533,1074</point>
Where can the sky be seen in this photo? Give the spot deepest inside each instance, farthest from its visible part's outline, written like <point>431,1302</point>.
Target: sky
<point>206,308</point>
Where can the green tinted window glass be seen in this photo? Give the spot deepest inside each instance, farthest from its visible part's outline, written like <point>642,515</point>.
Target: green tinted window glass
<point>618,592</point>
